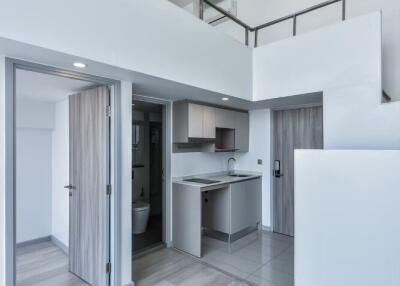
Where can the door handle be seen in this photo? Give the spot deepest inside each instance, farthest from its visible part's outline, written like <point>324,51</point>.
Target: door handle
<point>70,187</point>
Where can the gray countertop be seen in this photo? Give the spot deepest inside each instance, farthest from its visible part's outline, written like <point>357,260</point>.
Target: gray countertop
<point>223,178</point>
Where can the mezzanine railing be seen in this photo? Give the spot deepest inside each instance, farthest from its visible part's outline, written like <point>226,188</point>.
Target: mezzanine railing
<point>248,29</point>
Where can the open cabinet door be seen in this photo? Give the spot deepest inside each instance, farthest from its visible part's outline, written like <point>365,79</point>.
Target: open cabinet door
<point>89,178</point>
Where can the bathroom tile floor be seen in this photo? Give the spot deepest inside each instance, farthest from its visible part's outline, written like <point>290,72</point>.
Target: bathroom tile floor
<point>261,258</point>
<point>151,237</point>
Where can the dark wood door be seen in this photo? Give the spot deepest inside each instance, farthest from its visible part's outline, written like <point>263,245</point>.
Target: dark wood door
<point>89,176</point>
<point>292,129</point>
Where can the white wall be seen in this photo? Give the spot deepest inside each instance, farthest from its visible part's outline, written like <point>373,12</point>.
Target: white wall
<point>347,210</point>
<point>34,114</point>
<point>60,173</point>
<point>187,164</point>
<point>33,169</point>
<point>258,12</point>
<point>33,184</point>
<point>153,37</point>
<point>350,78</point>
<point>2,172</point>
<point>390,29</point>
<point>336,56</point>
<point>260,139</point>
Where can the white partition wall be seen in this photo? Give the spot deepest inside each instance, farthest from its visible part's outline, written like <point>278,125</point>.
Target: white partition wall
<point>347,218</point>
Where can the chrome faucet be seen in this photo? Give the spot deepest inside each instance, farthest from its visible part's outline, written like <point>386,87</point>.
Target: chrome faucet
<point>229,160</point>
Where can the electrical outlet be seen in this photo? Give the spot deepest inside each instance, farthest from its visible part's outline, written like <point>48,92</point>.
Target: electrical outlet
<point>259,162</point>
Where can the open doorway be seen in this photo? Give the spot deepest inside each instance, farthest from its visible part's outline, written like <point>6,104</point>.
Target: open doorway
<point>147,175</point>
<point>59,206</point>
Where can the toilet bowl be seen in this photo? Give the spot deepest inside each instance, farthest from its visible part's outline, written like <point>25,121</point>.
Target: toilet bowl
<point>140,217</point>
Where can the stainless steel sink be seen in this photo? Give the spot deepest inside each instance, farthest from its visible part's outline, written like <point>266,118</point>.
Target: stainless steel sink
<point>239,175</point>
<point>201,181</point>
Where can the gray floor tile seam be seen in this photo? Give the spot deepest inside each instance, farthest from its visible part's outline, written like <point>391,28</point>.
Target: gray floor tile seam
<point>264,264</point>
<point>191,263</point>
<point>236,278</point>
<point>161,261</point>
<point>269,259</point>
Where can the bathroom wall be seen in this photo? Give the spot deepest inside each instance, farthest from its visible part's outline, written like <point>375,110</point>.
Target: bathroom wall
<point>141,158</point>
<point>33,179</point>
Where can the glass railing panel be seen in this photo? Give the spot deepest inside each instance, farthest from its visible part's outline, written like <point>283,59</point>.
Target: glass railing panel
<point>275,33</point>
<point>319,18</point>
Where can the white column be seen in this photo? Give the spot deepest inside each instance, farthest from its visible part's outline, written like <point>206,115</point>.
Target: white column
<point>126,182</point>
<point>2,173</point>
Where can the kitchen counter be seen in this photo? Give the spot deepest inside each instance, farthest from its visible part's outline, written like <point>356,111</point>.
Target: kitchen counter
<point>223,178</point>
<point>230,205</point>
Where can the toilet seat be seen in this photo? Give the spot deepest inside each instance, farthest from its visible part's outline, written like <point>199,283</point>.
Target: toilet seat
<point>140,206</point>
<point>140,217</point>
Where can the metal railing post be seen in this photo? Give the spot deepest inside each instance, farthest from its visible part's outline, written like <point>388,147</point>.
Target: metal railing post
<point>255,38</point>
<point>247,36</point>
<point>343,10</point>
<point>294,25</point>
<point>201,9</point>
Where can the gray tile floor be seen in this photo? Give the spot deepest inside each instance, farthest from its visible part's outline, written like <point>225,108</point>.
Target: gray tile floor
<point>261,258</point>
<point>44,264</point>
<point>168,267</point>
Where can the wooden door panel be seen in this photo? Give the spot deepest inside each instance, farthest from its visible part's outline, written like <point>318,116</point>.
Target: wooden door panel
<point>89,176</point>
<point>293,129</point>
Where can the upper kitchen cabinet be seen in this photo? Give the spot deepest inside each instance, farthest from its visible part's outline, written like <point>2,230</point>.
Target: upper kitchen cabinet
<point>242,131</point>
<point>193,123</point>
<point>224,118</point>
<point>202,128</point>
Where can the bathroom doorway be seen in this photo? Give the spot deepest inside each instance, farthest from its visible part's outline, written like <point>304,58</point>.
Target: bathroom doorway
<point>148,182</point>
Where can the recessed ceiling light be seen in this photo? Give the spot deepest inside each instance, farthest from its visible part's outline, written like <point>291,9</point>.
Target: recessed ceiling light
<point>80,65</point>
<point>225,98</point>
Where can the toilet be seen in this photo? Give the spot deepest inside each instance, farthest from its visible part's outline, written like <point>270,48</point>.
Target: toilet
<point>140,216</point>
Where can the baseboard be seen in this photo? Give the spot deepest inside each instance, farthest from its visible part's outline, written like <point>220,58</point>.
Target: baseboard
<point>59,244</point>
<point>34,241</point>
<point>267,228</point>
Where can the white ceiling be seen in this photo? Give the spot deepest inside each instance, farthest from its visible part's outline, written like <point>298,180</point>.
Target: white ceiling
<point>44,87</point>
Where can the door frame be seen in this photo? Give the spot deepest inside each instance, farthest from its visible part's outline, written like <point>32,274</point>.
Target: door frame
<point>167,151</point>
<point>272,155</point>
<point>11,65</point>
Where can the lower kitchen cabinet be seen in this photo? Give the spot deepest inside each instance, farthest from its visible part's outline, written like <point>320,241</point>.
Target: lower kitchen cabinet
<point>233,208</point>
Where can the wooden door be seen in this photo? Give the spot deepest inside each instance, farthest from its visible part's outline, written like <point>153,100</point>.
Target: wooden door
<point>293,129</point>
<point>89,177</point>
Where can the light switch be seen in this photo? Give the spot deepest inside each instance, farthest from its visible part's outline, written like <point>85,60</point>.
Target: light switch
<point>259,162</point>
